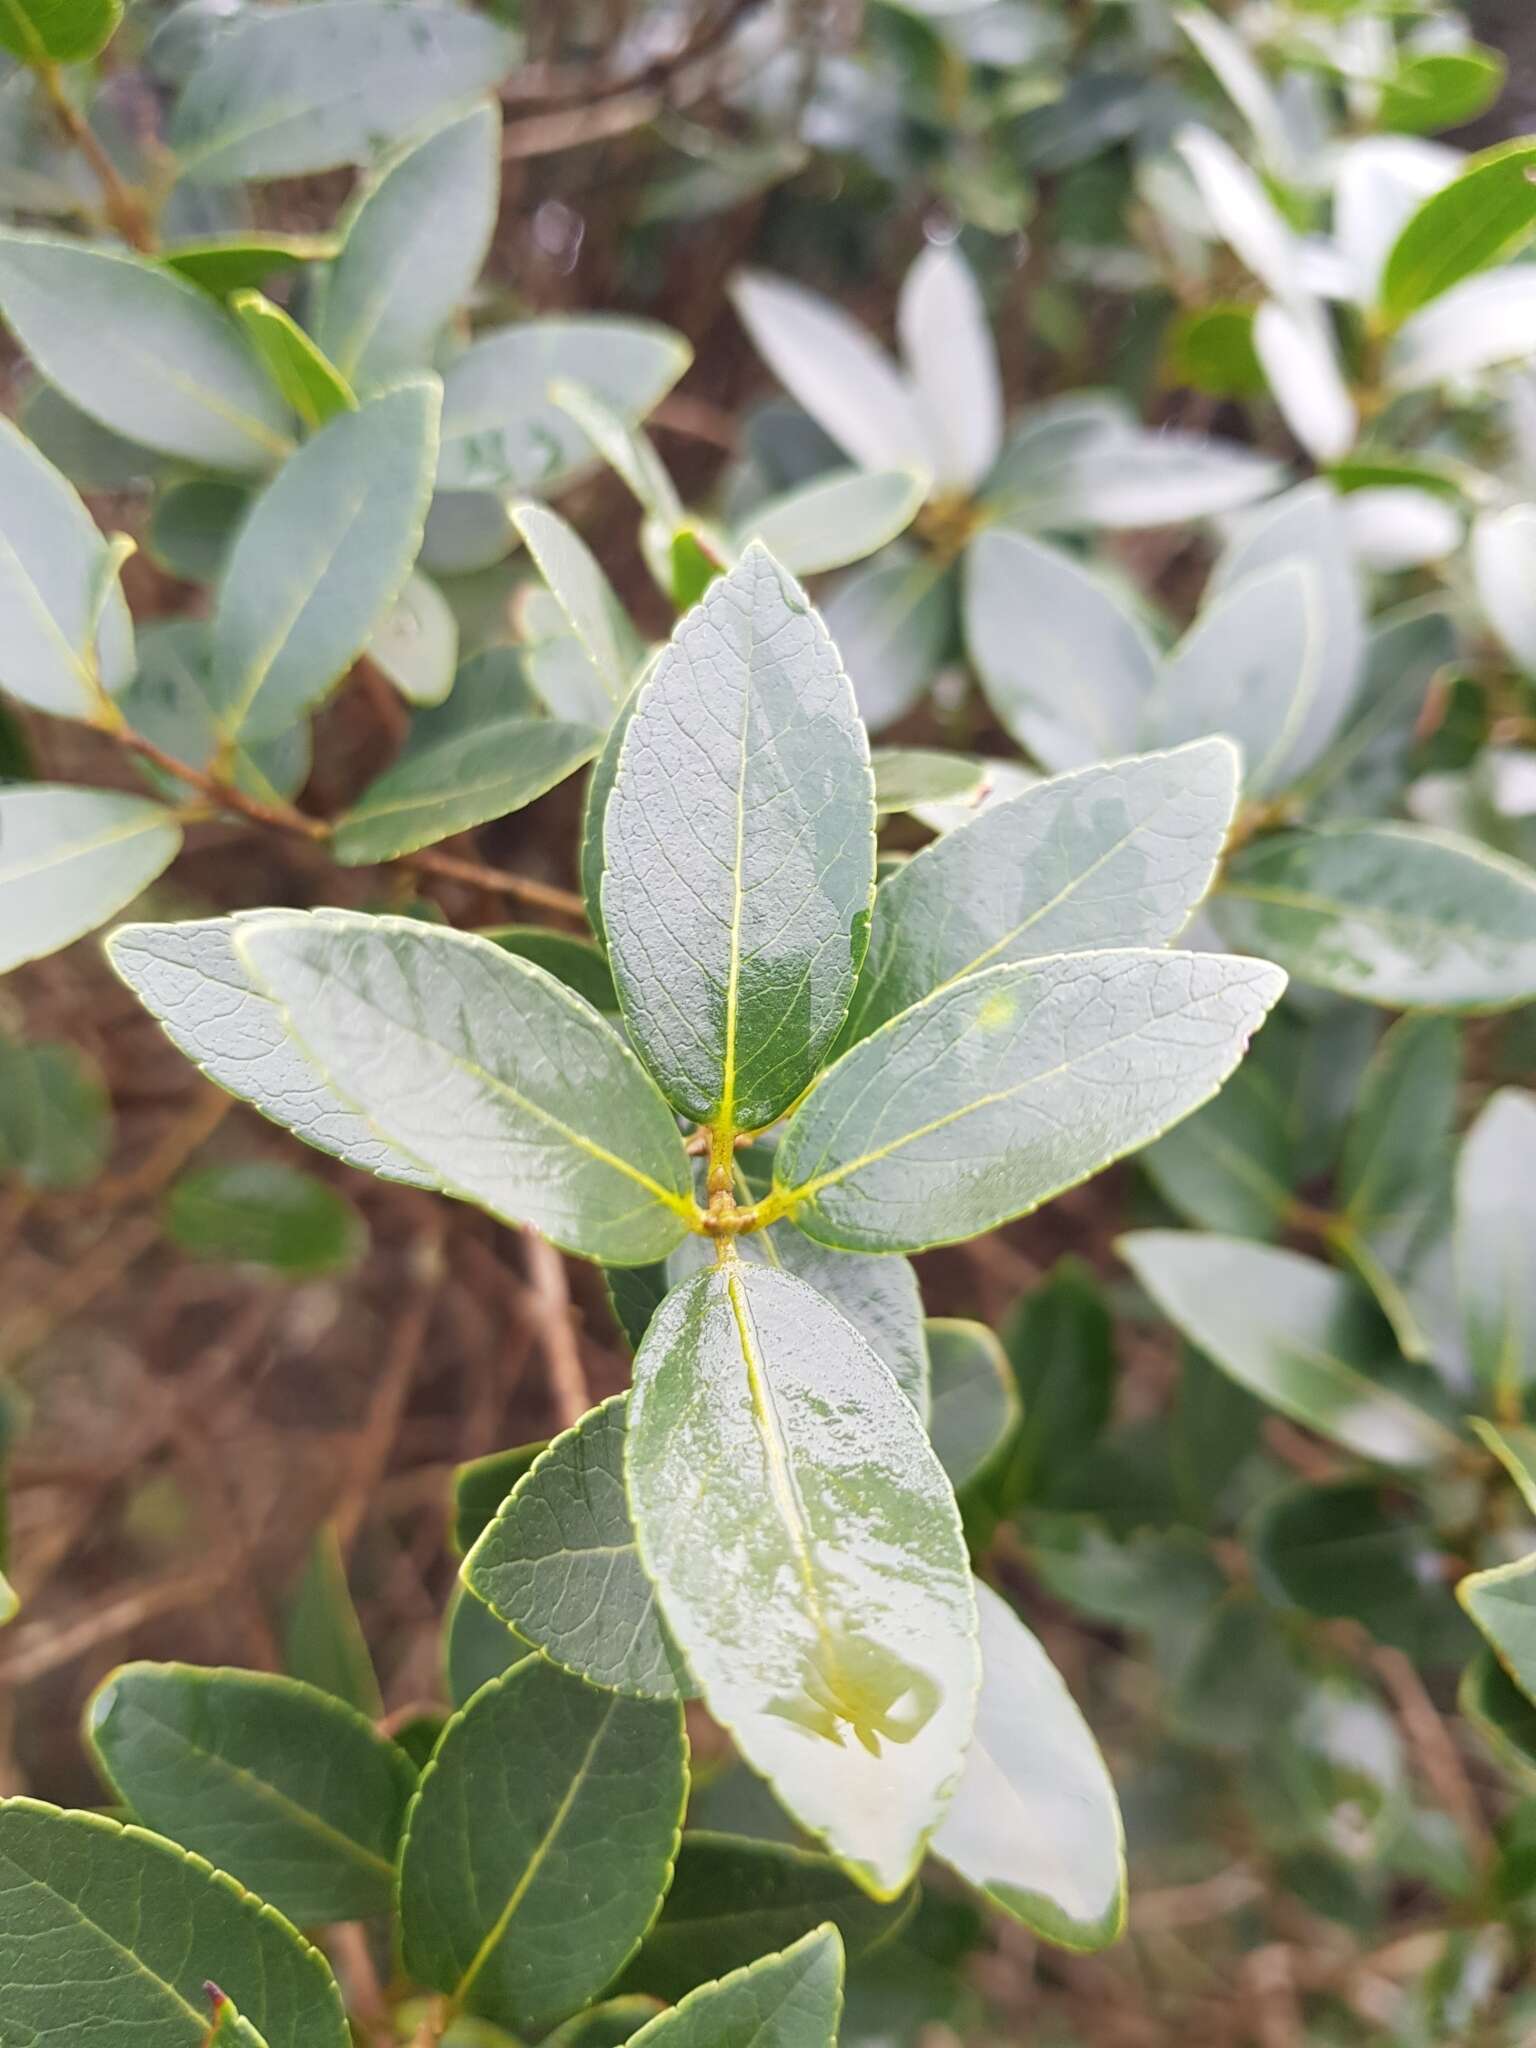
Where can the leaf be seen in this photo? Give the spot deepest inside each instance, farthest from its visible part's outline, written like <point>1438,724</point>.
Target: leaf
<point>594,816</point>
<point>416,643</point>
<point>1242,212</point>
<point>628,452</point>
<point>1503,1604</point>
<point>1008,1087</point>
<point>1480,218</point>
<point>263,1212</point>
<point>581,965</point>
<point>1514,1445</point>
<point>502,430</point>
<point>412,251</point>
<point>1231,1166</point>
<point>1241,79</point>
<point>1495,1217</point>
<point>975,1406</point>
<point>614,2021</point>
<point>1504,568</point>
<point>178,377</point>
<point>1299,1335</point>
<point>291,1792</point>
<point>1061,1347</point>
<point>950,358</point>
<point>440,786</point>
<point>279,95</point>
<point>1296,349</point>
<point>477,1646</point>
<point>65,633</point>
<point>323,1641</point>
<point>836,519</point>
<point>740,852</point>
<point>1392,914</point>
<point>558,1564</point>
<point>1112,856</point>
<point>527,1919</point>
<point>55,1124</point>
<point>1159,478</point>
<point>732,1900</point>
<point>481,1486</point>
<point>1502,1713</point>
<point>1478,323</point>
<point>193,528</point>
<point>1355,1550</point>
<point>1210,348</point>
<point>322,555</point>
<point>170,702</point>
<point>892,622</point>
<point>509,1090</point>
<point>70,859</point>
<point>842,377</point>
<point>58,31</point>
<point>1367,765</point>
<point>790,2000</point>
<point>238,261</point>
<point>1441,89</point>
<point>190,977</point>
<point>1034,1823</point>
<point>634,1295</point>
<point>906,777</point>
<point>1066,669</point>
<point>309,383</point>
<point>110,1934</point>
<point>806,1551</point>
<point>592,612</point>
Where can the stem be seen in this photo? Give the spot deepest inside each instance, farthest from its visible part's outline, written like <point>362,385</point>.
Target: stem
<point>124,208</point>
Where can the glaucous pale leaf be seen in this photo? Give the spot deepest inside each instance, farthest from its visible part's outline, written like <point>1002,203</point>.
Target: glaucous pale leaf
<point>627,450</point>
<point>892,622</point>
<point>193,527</point>
<point>281,94</point>
<point>109,1934</point>
<point>739,851</point>
<point>179,375</point>
<point>591,609</point>
<point>1504,567</point>
<point>1242,212</point>
<point>836,519</point>
<point>733,1899</point>
<point>838,372</point>
<point>502,431</point>
<point>1248,667</point>
<point>1295,346</point>
<point>908,776</point>
<point>1293,1331</point>
<point>263,1212</point>
<point>291,1792</point>
<point>1481,217</point>
<point>1238,73</point>
<point>413,250</point>
<point>1067,670</point>
<point>1397,527</point>
<point>1495,1230</point>
<point>1007,1087</point>
<point>974,1406</point>
<point>170,702</point>
<point>1157,478</point>
<point>58,31</point>
<point>322,555</point>
<point>312,386</point>
<point>558,1564</point>
<point>947,347</point>
<point>1034,1823</point>
<point>1502,1602</point>
<point>526,1919</point>
<point>70,859</point>
<point>1023,490</point>
<point>1484,321</point>
<point>89,454</point>
<point>1112,856</point>
<point>416,643</point>
<point>806,1551</point>
<point>510,1090</point>
<point>1231,1166</point>
<point>564,678</point>
<point>1392,914</point>
<point>65,633</point>
<point>244,258</point>
<point>790,2000</point>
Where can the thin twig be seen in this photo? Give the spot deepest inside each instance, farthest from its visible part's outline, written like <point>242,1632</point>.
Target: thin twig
<point>551,1302</point>
<point>124,208</point>
<point>43,1645</point>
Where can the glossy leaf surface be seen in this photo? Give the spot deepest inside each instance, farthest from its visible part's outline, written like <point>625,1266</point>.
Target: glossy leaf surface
<point>792,2000</point>
<point>1480,217</point>
<point>308,381</point>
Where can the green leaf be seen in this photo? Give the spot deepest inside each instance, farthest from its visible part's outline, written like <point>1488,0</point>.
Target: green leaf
<point>628,452</point>
<point>524,1920</point>
<point>1112,856</point>
<point>321,557</point>
<point>692,565</point>
<point>1231,1166</point>
<point>1357,1550</point>
<point>1441,89</point>
<point>60,31</point>
<point>1249,668</point>
<point>594,815</point>
<point>1514,1445</point>
<point>1008,1087</point>
<point>1503,1713</point>
<point>193,528</point>
<point>416,643</point>
<point>806,1551</point>
<point>1495,1221</point>
<point>65,633</point>
<point>1299,1335</point>
<point>55,1117</point>
<point>892,622</point>
<point>1034,1823</point>
<point>1068,671</point>
<point>835,519</point>
<point>448,784</point>
<point>10,1604</point>
<point>170,701</point>
<point>263,1212</point>
<point>281,94</point>
<point>592,612</point>
<point>1061,1347</point>
<point>789,2000</point>
<point>508,1089</point>
<point>975,1405</point>
<point>740,852</point>
<point>291,1792</point>
<point>1211,349</point>
<point>906,777</point>
<point>70,859</point>
<point>1481,217</point>
<point>323,1641</point>
<point>608,2025</point>
<point>577,962</point>
<point>241,260</point>
<point>559,1565</point>
<point>732,1900</point>
<point>89,454</point>
<point>1392,914</point>
<point>314,388</point>
<point>477,1647</point>
<point>634,1295</point>
<point>179,375</point>
<point>413,250</point>
<point>109,1934</point>
<point>501,429</point>
<point>1503,1604</point>
<point>481,1486</point>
